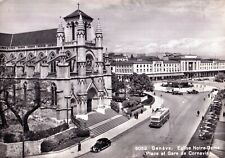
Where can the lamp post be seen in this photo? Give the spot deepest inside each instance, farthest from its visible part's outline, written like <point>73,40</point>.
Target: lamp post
<point>25,101</point>
<point>67,114</point>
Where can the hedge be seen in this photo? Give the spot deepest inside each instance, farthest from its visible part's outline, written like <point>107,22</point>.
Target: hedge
<point>46,133</point>
<point>32,136</point>
<point>51,144</point>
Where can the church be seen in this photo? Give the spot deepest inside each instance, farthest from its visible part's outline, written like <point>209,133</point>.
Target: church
<point>71,57</point>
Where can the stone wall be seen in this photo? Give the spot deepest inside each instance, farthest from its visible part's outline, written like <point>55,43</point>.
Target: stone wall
<point>31,147</point>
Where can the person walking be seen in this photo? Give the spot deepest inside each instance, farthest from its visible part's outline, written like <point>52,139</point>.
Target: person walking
<point>79,146</point>
<point>198,112</point>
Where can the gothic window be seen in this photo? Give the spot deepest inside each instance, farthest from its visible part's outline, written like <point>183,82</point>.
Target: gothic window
<point>89,62</point>
<point>73,31</point>
<point>41,55</point>
<point>54,94</point>
<point>53,63</point>
<point>2,59</point>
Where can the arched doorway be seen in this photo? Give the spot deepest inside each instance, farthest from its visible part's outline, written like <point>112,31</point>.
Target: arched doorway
<point>90,95</point>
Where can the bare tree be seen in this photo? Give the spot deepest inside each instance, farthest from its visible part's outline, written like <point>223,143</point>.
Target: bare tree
<point>24,100</point>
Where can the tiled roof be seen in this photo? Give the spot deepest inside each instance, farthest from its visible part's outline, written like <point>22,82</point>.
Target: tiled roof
<point>35,38</point>
<point>5,39</point>
<point>29,38</point>
<point>77,13</point>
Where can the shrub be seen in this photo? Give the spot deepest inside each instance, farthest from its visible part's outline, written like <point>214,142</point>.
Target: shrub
<point>9,138</point>
<point>48,145</point>
<point>83,133</point>
<point>118,99</point>
<point>46,133</point>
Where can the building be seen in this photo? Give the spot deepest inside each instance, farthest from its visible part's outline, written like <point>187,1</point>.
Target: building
<point>171,67</point>
<point>71,57</point>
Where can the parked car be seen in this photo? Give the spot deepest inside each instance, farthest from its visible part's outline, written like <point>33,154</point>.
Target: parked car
<point>177,93</point>
<point>192,92</point>
<point>101,144</point>
<point>208,128</point>
<point>212,116</point>
<point>204,134</point>
<point>211,120</point>
<point>207,124</point>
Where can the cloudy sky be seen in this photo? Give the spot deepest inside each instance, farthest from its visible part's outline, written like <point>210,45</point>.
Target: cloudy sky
<point>142,26</point>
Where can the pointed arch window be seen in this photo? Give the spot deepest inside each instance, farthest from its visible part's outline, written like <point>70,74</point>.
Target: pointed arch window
<point>2,59</point>
<point>53,63</point>
<point>54,94</point>
<point>71,62</point>
<point>89,62</point>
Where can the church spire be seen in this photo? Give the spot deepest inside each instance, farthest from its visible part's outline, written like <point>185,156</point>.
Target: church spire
<point>98,28</point>
<point>60,27</point>
<point>80,23</point>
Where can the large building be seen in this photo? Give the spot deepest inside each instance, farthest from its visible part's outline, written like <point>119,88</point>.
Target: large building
<point>71,57</point>
<point>170,67</point>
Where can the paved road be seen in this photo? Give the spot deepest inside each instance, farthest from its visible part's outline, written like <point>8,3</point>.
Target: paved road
<point>176,132</point>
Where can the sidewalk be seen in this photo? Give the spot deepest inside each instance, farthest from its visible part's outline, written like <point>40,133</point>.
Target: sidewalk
<point>72,152</point>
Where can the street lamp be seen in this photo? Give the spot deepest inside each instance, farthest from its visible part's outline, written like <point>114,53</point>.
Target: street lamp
<point>25,102</point>
<point>67,99</point>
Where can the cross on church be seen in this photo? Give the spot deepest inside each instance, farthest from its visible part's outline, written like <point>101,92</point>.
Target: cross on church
<point>78,5</point>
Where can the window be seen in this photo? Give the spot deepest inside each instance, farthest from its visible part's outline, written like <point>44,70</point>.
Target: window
<point>53,63</point>
<point>54,94</point>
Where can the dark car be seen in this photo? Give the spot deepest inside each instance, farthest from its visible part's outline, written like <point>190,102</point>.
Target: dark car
<point>101,144</point>
<point>207,124</point>
<point>192,92</point>
<point>204,134</point>
<point>177,93</point>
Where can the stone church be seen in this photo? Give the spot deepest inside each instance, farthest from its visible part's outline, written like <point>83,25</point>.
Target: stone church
<point>71,57</point>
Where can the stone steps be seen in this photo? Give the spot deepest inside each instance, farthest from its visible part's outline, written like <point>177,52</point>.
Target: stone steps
<point>108,126</point>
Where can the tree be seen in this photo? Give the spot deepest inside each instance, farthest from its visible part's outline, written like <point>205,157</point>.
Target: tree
<point>140,83</point>
<point>5,83</point>
<point>24,100</point>
<point>220,77</point>
<point>116,84</point>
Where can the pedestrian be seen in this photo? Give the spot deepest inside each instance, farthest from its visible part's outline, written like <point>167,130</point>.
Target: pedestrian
<point>79,146</point>
<point>202,118</point>
<point>198,112</point>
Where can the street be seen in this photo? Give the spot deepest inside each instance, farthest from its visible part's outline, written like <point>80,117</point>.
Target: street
<point>176,132</point>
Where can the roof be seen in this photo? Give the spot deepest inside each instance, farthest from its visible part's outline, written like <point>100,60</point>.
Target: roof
<point>29,38</point>
<point>171,61</point>
<point>5,39</point>
<point>77,13</point>
<point>35,38</point>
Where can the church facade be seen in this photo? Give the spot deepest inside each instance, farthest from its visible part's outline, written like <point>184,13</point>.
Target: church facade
<point>71,57</point>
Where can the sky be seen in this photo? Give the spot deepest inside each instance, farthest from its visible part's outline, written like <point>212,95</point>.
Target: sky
<point>136,26</point>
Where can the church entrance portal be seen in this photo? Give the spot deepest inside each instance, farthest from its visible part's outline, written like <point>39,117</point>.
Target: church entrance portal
<point>91,94</point>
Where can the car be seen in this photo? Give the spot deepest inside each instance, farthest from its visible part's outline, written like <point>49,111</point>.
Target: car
<point>212,116</point>
<point>208,128</point>
<point>192,92</point>
<point>177,93</point>
<point>207,124</point>
<point>101,144</point>
<point>204,134</point>
<point>211,120</point>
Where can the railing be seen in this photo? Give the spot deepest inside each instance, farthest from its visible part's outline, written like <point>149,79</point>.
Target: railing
<point>28,47</point>
<point>70,43</point>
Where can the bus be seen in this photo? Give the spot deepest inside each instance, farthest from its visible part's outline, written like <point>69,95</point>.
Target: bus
<point>159,117</point>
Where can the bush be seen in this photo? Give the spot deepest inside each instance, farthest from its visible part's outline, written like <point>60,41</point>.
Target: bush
<point>48,145</point>
<point>46,133</point>
<point>83,133</point>
<point>118,99</point>
<point>9,138</point>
